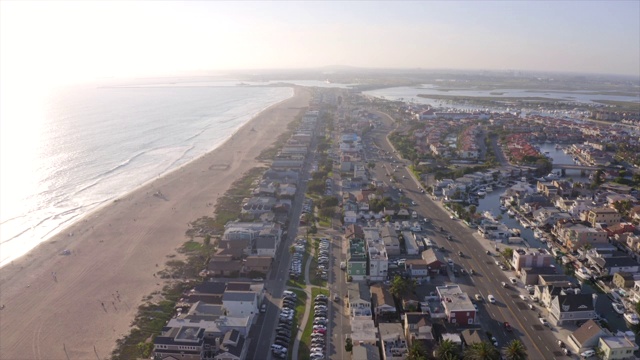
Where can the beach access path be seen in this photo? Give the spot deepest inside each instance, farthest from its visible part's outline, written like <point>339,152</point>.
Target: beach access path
<point>76,306</point>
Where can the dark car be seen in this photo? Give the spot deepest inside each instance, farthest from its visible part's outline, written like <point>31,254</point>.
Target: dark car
<point>284,332</point>
<point>281,343</point>
<point>283,338</point>
<point>507,326</point>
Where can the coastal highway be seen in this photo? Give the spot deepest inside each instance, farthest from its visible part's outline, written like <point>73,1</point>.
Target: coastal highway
<point>539,340</point>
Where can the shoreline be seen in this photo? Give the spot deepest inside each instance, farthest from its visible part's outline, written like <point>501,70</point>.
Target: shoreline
<point>63,227</point>
<point>76,306</point>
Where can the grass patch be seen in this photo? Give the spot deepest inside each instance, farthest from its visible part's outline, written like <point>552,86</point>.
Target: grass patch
<point>228,206</point>
<point>305,341</point>
<point>191,246</point>
<point>148,323</point>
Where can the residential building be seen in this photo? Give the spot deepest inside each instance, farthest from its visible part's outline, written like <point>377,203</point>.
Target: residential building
<point>240,303</point>
<point>457,305</point>
<point>382,302</point>
<point>257,264</point>
<point>357,260</point>
<point>232,347</point>
<point>572,308</point>
<point>623,280</point>
<point>185,342</point>
<point>378,257</point>
<point>435,260</point>
<point>587,336</point>
<point>363,330</point>
<point>603,215</point>
<point>418,327</point>
<point>393,341</point>
<point>358,299</point>
<point>531,259</point>
<point>417,268</point>
<point>530,276</point>
<point>365,352</point>
<point>615,264</point>
<point>617,348</point>
<point>390,239</point>
<point>575,235</point>
<point>410,243</point>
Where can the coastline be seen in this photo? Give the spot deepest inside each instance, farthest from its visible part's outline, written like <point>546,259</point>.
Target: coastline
<point>76,306</point>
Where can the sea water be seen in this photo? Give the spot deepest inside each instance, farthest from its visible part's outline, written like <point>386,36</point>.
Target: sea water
<point>65,153</point>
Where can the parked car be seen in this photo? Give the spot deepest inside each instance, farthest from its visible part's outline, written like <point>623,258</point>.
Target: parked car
<point>544,321</point>
<point>491,299</point>
<point>513,280</point>
<point>588,353</point>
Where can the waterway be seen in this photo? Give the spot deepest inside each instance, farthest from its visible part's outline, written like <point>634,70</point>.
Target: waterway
<point>491,201</point>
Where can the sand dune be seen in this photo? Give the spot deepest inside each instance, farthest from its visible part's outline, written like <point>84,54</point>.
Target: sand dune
<point>76,306</point>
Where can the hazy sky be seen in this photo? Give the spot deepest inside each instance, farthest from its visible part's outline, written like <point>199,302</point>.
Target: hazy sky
<point>75,40</point>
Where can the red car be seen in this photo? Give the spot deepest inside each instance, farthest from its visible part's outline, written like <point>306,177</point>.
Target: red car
<point>507,326</point>
<point>320,331</point>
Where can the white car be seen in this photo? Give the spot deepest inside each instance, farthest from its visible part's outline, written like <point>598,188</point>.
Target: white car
<point>588,353</point>
<point>491,299</point>
<point>522,297</point>
<point>544,322</point>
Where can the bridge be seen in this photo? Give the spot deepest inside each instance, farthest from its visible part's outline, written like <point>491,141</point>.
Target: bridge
<point>576,167</point>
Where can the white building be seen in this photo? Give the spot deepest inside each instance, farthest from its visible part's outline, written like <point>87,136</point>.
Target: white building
<point>240,303</point>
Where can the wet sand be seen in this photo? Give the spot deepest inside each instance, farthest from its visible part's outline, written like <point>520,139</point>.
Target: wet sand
<point>76,306</point>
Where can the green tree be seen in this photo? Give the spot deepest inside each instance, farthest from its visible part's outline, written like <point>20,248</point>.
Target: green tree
<point>507,253</point>
<point>472,209</point>
<point>292,250</point>
<point>416,351</point>
<point>447,350</point>
<point>481,351</point>
<point>398,286</point>
<point>348,346</point>
<point>515,350</point>
<point>371,165</point>
<point>207,240</point>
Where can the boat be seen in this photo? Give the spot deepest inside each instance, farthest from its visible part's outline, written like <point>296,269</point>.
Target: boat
<point>503,208</point>
<point>538,234</point>
<point>552,176</point>
<point>488,189</point>
<point>558,147</point>
<point>511,213</point>
<point>481,193</point>
<point>632,318</point>
<point>583,274</point>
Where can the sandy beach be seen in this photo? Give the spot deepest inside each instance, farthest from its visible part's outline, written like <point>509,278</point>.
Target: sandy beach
<point>76,306</point>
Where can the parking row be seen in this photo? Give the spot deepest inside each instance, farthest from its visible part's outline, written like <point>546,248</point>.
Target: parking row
<point>323,259</point>
<point>319,335</point>
<point>285,329</point>
<point>296,260</point>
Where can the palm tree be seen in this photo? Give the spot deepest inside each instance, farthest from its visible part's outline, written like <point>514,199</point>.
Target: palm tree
<point>416,351</point>
<point>515,350</point>
<point>481,351</point>
<point>447,350</point>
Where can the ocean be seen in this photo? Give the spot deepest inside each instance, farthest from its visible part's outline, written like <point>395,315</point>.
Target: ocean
<point>65,153</point>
